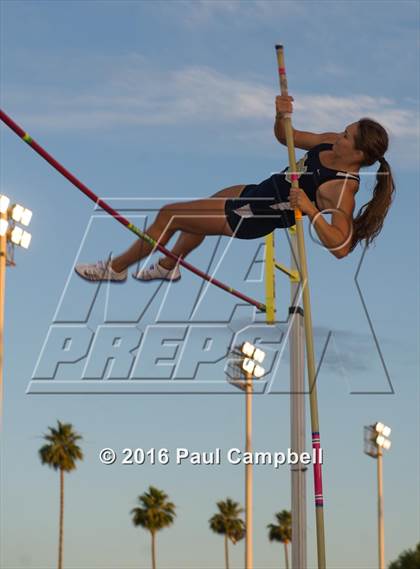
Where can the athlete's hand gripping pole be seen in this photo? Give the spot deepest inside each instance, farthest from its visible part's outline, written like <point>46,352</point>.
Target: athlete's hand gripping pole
<point>310,356</point>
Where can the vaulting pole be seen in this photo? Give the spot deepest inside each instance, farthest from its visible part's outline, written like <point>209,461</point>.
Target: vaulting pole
<point>33,144</point>
<point>297,410</point>
<point>310,355</point>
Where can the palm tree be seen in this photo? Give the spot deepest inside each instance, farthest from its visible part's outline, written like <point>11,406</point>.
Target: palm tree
<point>61,453</point>
<point>282,531</point>
<point>228,523</point>
<point>408,559</point>
<point>154,514</point>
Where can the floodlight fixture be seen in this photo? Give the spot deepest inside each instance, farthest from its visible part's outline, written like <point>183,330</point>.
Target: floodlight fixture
<point>21,214</point>
<point>20,237</point>
<point>246,368</point>
<point>251,351</point>
<point>380,439</point>
<point>382,429</point>
<point>4,203</point>
<point>248,365</point>
<point>376,440</point>
<point>383,442</point>
<point>26,217</point>
<point>386,431</point>
<point>259,371</point>
<point>379,427</point>
<point>17,211</point>
<point>4,226</point>
<point>25,240</point>
<point>248,349</point>
<point>16,235</point>
<point>259,355</point>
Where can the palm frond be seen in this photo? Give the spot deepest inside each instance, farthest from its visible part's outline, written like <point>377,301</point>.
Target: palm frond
<point>62,450</point>
<point>155,511</point>
<point>282,530</point>
<point>227,520</point>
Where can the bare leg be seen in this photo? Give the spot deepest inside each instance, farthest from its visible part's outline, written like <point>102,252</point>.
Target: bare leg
<point>198,217</point>
<point>187,242</point>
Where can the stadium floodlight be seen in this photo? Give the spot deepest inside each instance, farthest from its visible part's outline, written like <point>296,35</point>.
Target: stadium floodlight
<point>4,226</point>
<point>376,440</point>
<point>242,370</point>
<point>382,429</point>
<point>248,365</point>
<point>26,217</point>
<point>16,235</point>
<point>12,217</point>
<point>252,352</point>
<point>20,237</point>
<point>4,203</point>
<point>17,212</point>
<point>380,439</point>
<point>386,444</point>
<point>386,431</point>
<point>21,214</point>
<point>383,432</point>
<point>259,355</point>
<point>25,240</point>
<point>11,234</point>
<point>248,349</point>
<point>252,368</point>
<point>259,371</point>
<point>379,427</point>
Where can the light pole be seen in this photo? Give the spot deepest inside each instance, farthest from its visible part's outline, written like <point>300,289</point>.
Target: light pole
<point>376,439</point>
<point>246,369</point>
<point>11,234</point>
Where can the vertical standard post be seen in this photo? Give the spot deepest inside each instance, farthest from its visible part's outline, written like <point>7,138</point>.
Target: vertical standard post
<point>248,474</point>
<point>381,531</point>
<point>3,257</point>
<point>310,355</point>
<point>297,414</point>
<point>270,280</point>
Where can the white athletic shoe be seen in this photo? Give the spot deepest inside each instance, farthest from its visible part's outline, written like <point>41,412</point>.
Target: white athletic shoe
<point>100,271</point>
<point>156,271</point>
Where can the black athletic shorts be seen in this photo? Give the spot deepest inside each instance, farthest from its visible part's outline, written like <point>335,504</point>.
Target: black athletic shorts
<point>263,219</point>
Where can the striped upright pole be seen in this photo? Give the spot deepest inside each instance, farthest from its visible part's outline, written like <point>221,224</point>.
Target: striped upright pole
<point>310,355</point>
<point>35,146</point>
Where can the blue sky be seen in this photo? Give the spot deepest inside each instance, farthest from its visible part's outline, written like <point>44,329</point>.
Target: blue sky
<point>155,102</point>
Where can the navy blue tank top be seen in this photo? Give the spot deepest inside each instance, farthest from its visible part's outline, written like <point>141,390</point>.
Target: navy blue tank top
<point>273,193</point>
<point>313,174</point>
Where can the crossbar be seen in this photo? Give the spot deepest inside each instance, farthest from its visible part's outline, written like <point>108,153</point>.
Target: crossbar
<point>116,215</point>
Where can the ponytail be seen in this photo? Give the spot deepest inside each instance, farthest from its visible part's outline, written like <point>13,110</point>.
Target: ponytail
<point>371,216</point>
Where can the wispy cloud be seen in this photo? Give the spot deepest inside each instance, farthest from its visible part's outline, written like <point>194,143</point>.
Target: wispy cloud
<point>332,111</point>
<point>205,12</point>
<point>333,69</point>
<point>136,94</point>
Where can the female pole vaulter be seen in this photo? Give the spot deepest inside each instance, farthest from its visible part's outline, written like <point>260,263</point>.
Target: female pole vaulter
<point>328,180</point>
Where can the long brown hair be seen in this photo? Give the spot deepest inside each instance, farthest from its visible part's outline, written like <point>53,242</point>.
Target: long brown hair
<point>372,139</point>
